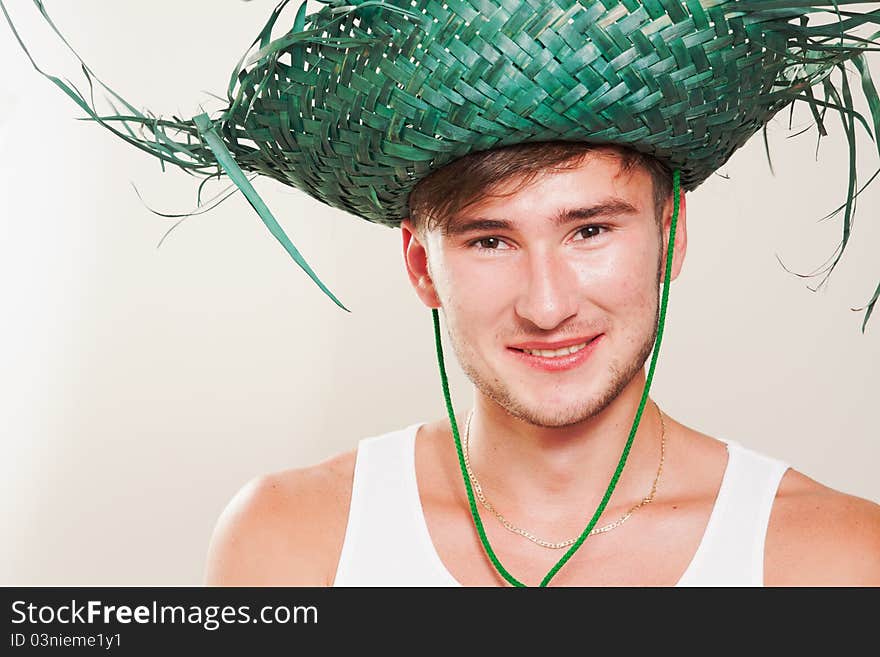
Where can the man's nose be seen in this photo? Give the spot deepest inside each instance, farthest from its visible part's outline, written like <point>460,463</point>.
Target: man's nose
<point>547,297</point>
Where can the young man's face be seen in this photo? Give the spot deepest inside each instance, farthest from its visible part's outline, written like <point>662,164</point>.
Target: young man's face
<point>538,281</point>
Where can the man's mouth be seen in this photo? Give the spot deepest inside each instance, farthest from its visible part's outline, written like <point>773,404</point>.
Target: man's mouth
<point>556,353</point>
<point>559,351</point>
<point>560,358</point>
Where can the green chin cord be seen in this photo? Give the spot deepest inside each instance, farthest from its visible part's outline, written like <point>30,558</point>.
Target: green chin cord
<point>470,493</point>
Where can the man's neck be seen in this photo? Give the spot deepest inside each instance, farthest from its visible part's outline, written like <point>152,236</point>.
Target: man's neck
<point>554,470</point>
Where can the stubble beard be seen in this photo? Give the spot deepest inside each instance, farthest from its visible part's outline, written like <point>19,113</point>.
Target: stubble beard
<point>619,377</point>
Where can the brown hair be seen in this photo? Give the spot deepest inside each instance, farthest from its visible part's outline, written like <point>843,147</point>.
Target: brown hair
<point>462,182</point>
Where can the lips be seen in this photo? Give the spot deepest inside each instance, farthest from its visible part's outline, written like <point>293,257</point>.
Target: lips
<point>559,344</point>
<point>557,363</point>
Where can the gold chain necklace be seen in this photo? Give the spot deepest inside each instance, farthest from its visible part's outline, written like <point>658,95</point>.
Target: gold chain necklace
<point>599,530</point>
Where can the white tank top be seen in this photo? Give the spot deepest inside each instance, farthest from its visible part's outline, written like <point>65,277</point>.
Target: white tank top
<point>387,542</point>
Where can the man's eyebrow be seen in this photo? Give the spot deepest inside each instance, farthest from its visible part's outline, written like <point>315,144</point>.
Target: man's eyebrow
<point>609,206</point>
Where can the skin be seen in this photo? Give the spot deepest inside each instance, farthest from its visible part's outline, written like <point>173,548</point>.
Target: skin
<point>544,444</point>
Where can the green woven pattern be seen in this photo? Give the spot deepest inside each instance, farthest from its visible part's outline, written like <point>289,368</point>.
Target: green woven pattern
<point>358,126</point>
<point>359,101</point>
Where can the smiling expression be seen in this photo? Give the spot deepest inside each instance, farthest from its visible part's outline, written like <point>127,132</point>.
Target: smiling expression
<point>574,255</point>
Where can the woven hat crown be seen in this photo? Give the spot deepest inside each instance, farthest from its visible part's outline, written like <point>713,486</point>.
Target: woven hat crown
<point>378,95</point>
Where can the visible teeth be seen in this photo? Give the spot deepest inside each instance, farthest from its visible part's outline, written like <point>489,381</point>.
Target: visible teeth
<point>554,353</point>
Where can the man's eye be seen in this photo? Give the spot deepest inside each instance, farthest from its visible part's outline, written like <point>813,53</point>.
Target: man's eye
<point>486,243</point>
<point>592,227</point>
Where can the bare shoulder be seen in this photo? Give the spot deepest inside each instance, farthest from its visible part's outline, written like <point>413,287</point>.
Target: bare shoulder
<point>819,536</point>
<point>283,528</point>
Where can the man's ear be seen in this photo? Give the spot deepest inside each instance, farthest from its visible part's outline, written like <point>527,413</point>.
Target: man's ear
<point>680,247</point>
<point>415,255</point>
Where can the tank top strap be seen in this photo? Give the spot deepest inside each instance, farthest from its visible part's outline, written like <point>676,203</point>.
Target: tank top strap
<point>731,552</point>
<point>386,540</point>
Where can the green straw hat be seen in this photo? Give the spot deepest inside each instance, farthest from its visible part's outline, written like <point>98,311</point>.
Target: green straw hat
<point>356,103</point>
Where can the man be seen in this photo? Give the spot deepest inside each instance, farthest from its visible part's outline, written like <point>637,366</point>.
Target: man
<point>445,120</point>
<point>563,253</point>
